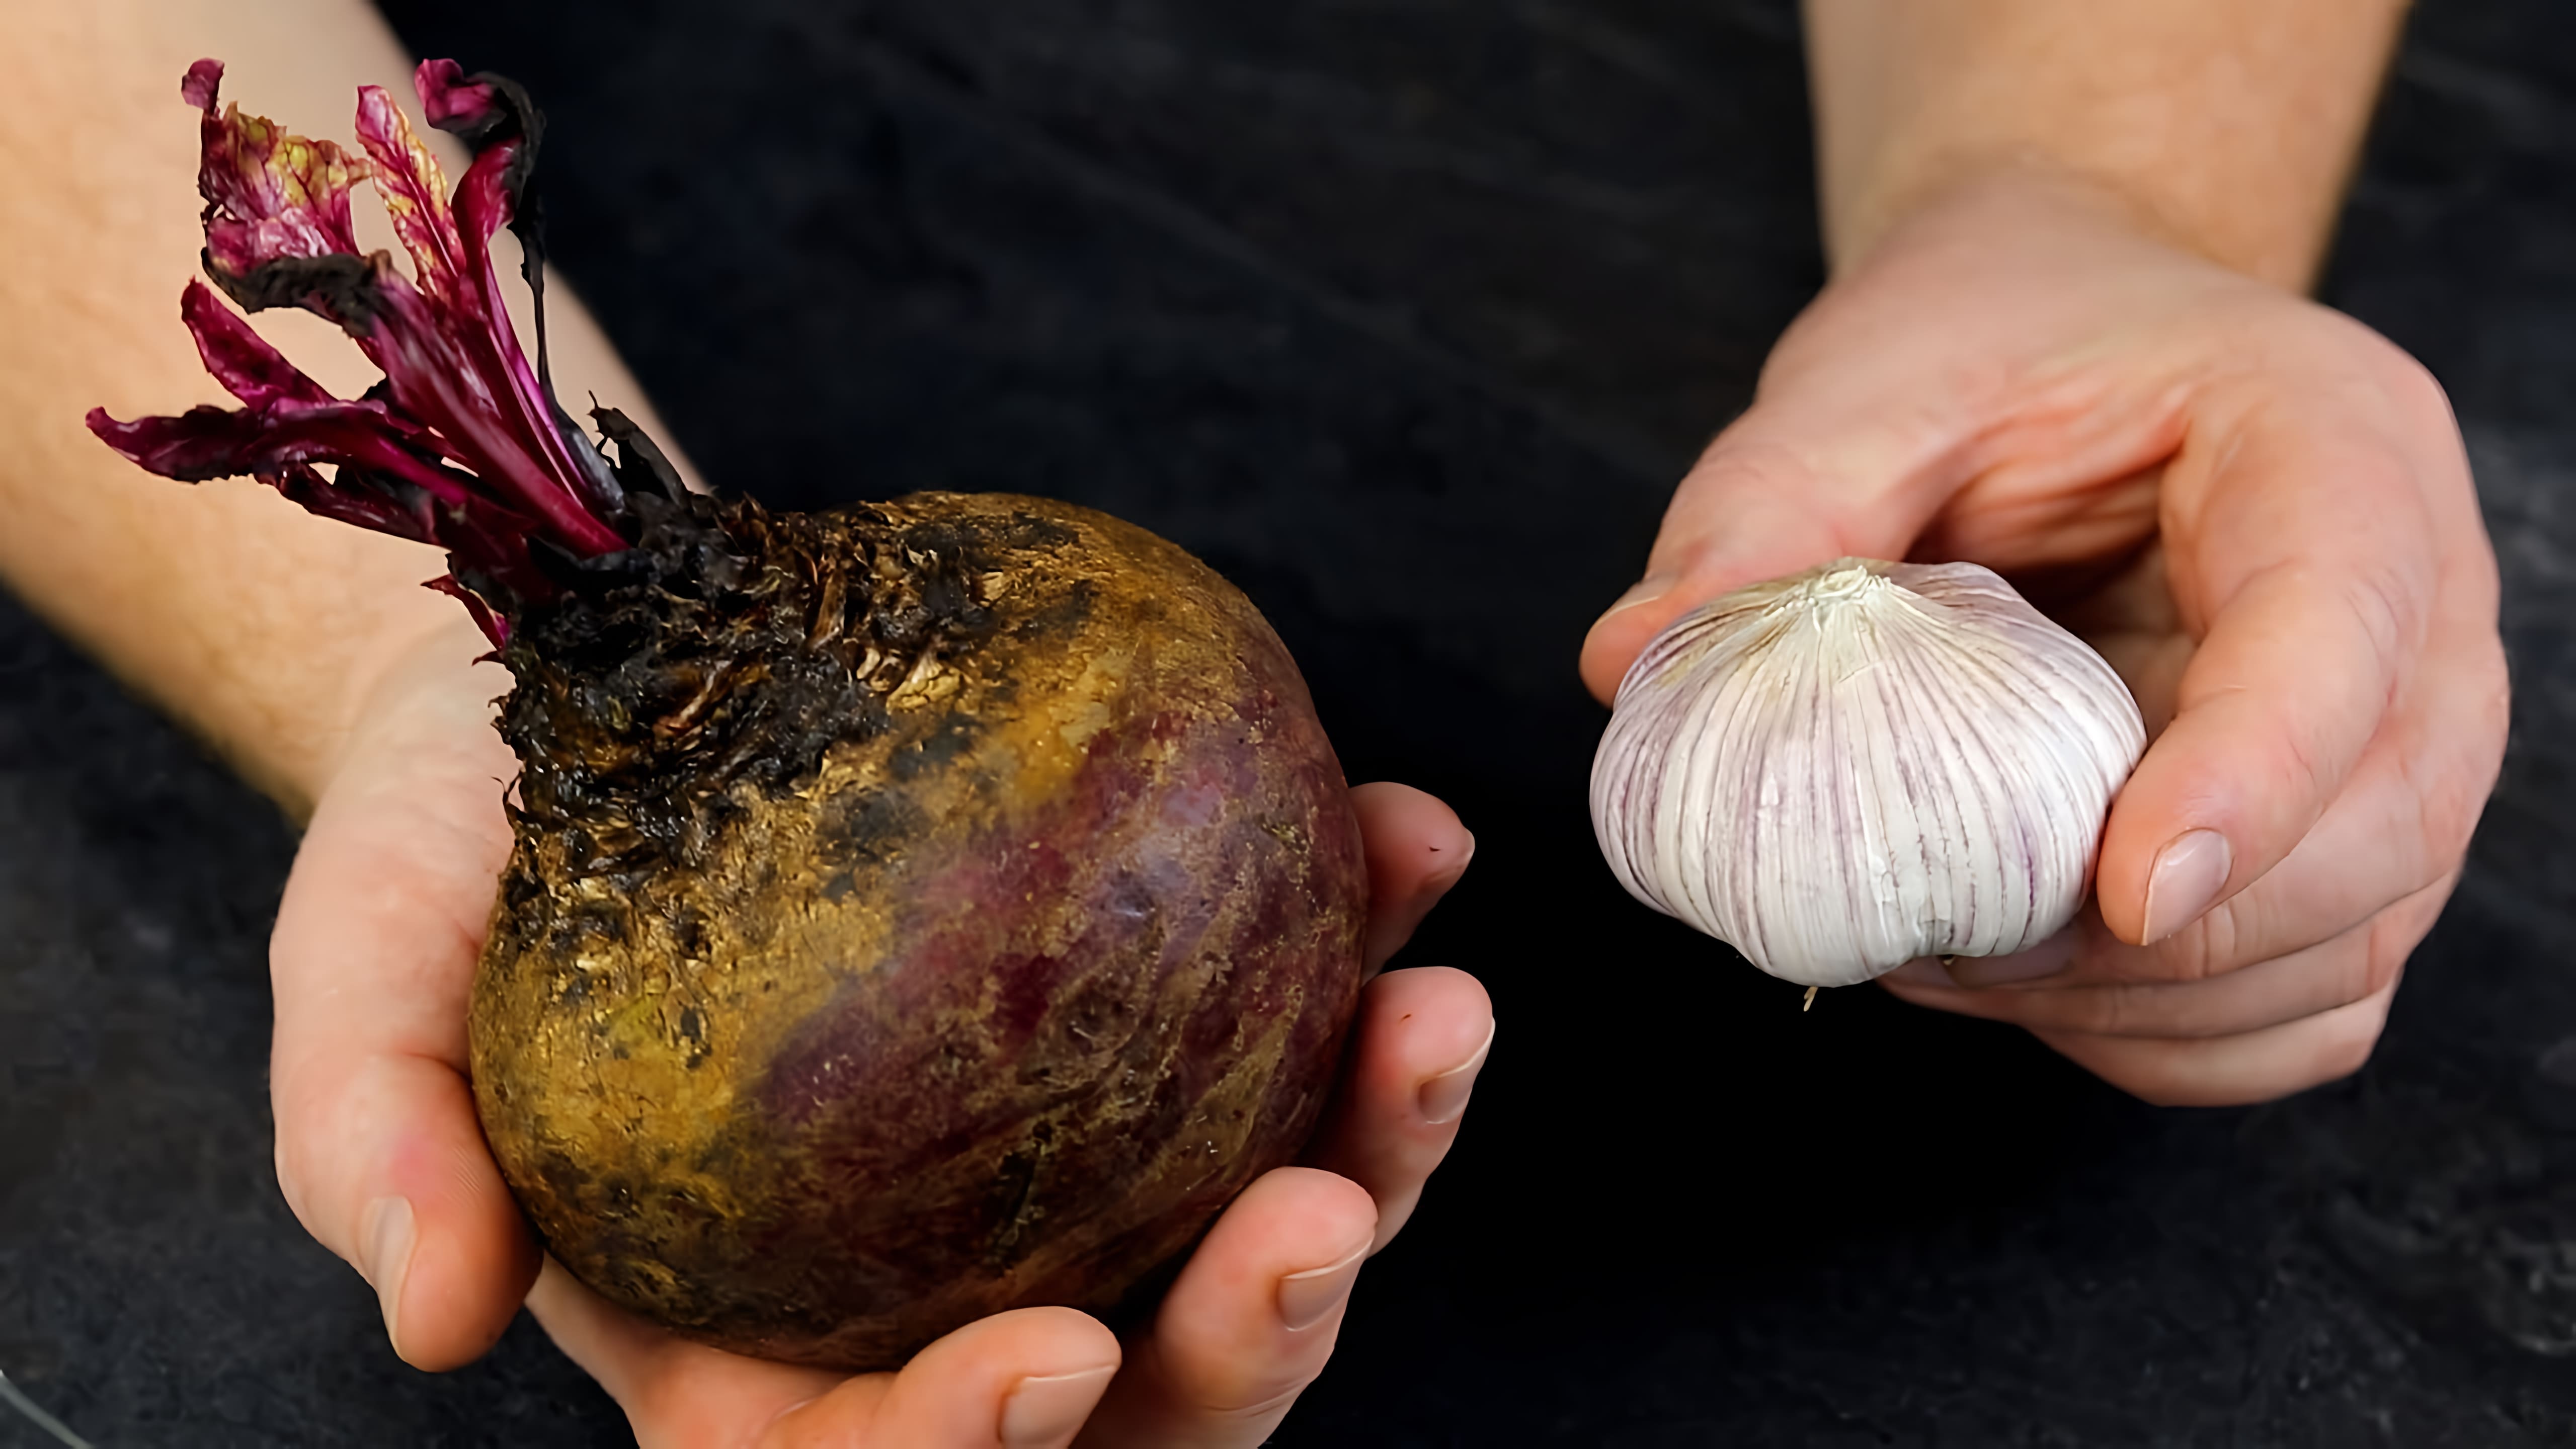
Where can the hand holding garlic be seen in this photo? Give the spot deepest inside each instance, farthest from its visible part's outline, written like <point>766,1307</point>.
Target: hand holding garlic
<point>1844,770</point>
<point>2256,510</point>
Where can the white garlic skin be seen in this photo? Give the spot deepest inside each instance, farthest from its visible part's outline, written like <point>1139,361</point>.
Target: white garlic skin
<point>1845,769</point>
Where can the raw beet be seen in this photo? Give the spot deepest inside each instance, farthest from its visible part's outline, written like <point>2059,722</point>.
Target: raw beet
<point>916,911</point>
<point>950,916</point>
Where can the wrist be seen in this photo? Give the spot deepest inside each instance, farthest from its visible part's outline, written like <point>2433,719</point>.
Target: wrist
<point>2232,128</point>
<point>2019,183</point>
<point>2025,187</point>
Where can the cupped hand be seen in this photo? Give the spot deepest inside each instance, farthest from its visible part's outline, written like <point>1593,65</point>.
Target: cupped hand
<point>380,1155</point>
<point>2256,508</point>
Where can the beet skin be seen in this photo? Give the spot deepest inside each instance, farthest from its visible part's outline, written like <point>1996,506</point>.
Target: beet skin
<point>917,912</point>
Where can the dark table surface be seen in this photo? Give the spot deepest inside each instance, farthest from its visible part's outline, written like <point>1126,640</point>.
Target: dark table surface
<point>1406,315</point>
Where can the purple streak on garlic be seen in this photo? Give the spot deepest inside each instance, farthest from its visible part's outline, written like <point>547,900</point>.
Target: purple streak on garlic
<point>1843,770</point>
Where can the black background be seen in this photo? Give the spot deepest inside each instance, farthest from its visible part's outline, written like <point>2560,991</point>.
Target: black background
<point>1406,315</point>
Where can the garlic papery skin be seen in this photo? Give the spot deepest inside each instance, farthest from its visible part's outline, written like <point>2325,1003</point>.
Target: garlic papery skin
<point>1843,770</point>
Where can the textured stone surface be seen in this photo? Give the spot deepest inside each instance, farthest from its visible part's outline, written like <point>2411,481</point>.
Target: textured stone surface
<point>1405,315</point>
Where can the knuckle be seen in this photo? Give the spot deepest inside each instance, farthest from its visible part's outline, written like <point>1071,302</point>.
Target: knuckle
<point>2364,962</point>
<point>295,1182</point>
<point>2393,934</point>
<point>1217,1392</point>
<point>2162,1092</point>
<point>1735,460</point>
<point>2409,383</point>
<point>2495,698</point>
<point>292,1137</point>
<point>290,1178</point>
<point>2165,1079</point>
<point>2101,1011</point>
<point>2380,966</point>
<point>2454,785</point>
<point>2396,931</point>
<point>2350,1036</point>
<point>2389,609</point>
<point>2450,814</point>
<point>2413,383</point>
<point>2211,945</point>
<point>2300,769</point>
<point>1254,1403</point>
<point>2346,1054</point>
<point>2421,392</point>
<point>2491,684</point>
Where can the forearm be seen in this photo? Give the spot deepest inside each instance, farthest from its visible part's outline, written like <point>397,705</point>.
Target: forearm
<point>2227,126</point>
<point>259,625</point>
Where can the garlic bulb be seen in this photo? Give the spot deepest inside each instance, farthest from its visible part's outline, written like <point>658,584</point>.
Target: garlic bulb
<point>1843,770</point>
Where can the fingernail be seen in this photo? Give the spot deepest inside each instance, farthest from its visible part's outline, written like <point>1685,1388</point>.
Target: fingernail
<point>1645,591</point>
<point>1442,1097</point>
<point>2045,959</point>
<point>390,1232</point>
<point>2186,880</point>
<point>1046,1410</point>
<point>1308,1298</point>
<point>1451,870</point>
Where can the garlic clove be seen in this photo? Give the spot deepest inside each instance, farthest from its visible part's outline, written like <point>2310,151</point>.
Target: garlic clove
<point>1845,769</point>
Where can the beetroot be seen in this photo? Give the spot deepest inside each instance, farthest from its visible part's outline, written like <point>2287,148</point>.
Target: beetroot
<point>916,911</point>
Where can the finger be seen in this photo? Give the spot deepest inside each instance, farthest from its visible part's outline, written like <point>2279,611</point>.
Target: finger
<point>1025,1380</point>
<point>2334,973</point>
<point>1875,412</point>
<point>1760,503</point>
<point>1417,850</point>
<point>2401,824</point>
<point>2402,821</point>
<point>2319,591</point>
<point>1250,1321</point>
<point>1423,1035</point>
<point>2396,834</point>
<point>2232,1071</point>
<point>378,1148</point>
<point>674,1392</point>
<point>1824,469</point>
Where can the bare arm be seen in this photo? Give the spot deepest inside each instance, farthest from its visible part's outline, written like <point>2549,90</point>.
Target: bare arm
<point>2225,126</point>
<point>259,625</point>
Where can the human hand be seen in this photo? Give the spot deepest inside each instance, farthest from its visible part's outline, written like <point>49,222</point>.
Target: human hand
<point>381,1157</point>
<point>2258,510</point>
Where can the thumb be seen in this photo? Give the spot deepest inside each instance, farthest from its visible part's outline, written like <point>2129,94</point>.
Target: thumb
<point>1787,487</point>
<point>379,1151</point>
